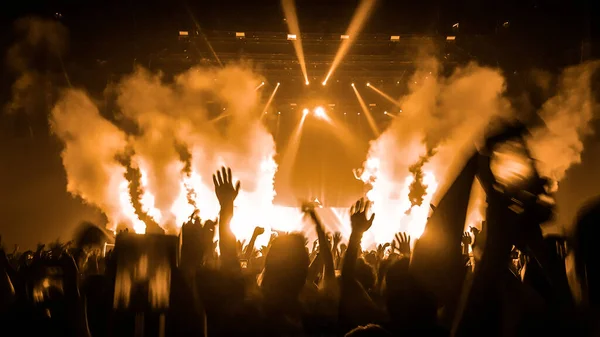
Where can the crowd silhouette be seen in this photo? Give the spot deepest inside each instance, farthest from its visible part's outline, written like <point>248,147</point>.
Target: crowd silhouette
<point>502,279</point>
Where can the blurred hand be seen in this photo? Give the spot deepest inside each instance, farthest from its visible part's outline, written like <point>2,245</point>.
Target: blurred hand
<point>358,216</point>
<point>224,188</point>
<point>258,231</point>
<point>403,241</point>
<point>466,239</point>
<point>337,238</point>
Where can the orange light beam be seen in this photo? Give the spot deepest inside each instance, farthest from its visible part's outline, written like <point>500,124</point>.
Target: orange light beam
<point>259,86</point>
<point>384,95</point>
<point>212,50</point>
<point>289,156</point>
<point>266,108</point>
<point>358,20</point>
<point>289,11</point>
<point>364,108</point>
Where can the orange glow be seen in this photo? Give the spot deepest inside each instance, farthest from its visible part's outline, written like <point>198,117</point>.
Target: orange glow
<point>320,113</point>
<point>391,207</point>
<point>358,20</point>
<point>289,10</point>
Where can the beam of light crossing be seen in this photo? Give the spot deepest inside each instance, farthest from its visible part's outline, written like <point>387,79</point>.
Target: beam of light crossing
<point>384,95</point>
<point>212,50</point>
<point>365,109</point>
<point>291,151</point>
<point>289,10</point>
<point>266,108</point>
<point>358,20</point>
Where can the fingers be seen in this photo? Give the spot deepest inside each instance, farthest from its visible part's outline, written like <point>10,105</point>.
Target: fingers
<point>372,218</point>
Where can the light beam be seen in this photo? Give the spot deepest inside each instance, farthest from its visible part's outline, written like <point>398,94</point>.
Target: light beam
<point>289,10</point>
<point>358,20</point>
<point>270,99</point>
<point>365,109</point>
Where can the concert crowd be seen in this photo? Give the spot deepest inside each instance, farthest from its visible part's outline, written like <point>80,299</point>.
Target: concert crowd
<point>503,279</point>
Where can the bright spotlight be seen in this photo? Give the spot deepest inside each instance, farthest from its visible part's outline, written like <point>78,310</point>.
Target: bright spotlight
<point>263,83</point>
<point>368,84</point>
<point>345,37</point>
<point>278,83</point>
<point>307,82</point>
<point>291,37</point>
<point>305,111</point>
<point>320,112</point>
<point>352,84</point>
<point>385,112</point>
<point>324,83</point>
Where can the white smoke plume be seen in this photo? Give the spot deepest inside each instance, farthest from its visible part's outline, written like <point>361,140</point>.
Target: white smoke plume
<point>177,146</point>
<point>568,117</point>
<point>91,146</point>
<point>441,117</point>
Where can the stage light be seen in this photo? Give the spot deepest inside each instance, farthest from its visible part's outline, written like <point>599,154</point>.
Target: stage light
<point>352,84</point>
<point>305,111</point>
<point>291,37</point>
<point>385,112</point>
<point>240,35</point>
<point>372,105</point>
<point>400,110</point>
<point>345,37</point>
<point>278,83</point>
<point>320,112</point>
<point>324,83</point>
<point>455,25</point>
<point>368,84</point>
<point>183,33</point>
<point>279,112</point>
<point>263,83</point>
<point>358,113</point>
<point>395,38</point>
<point>265,112</point>
<point>450,38</point>
<point>307,82</point>
<point>344,113</point>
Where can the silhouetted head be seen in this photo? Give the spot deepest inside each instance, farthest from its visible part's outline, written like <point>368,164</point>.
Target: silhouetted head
<point>286,267</point>
<point>365,274</point>
<point>407,302</point>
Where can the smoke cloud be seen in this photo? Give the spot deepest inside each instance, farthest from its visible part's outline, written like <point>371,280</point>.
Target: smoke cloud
<point>442,117</point>
<point>35,58</point>
<point>568,117</point>
<point>185,129</point>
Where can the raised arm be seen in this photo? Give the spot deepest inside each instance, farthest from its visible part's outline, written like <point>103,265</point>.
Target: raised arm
<point>226,192</point>
<point>250,247</point>
<point>324,249</point>
<point>360,224</point>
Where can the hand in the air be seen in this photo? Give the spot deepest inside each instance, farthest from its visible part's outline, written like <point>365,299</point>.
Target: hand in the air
<point>224,188</point>
<point>403,241</point>
<point>258,231</point>
<point>337,238</point>
<point>358,216</point>
<point>466,239</point>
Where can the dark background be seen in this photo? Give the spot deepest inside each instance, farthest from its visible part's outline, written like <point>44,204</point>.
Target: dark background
<point>108,37</point>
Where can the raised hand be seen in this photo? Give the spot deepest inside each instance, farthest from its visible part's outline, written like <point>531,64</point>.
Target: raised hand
<point>224,189</point>
<point>403,241</point>
<point>258,231</point>
<point>358,216</point>
<point>337,238</point>
<point>466,239</point>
